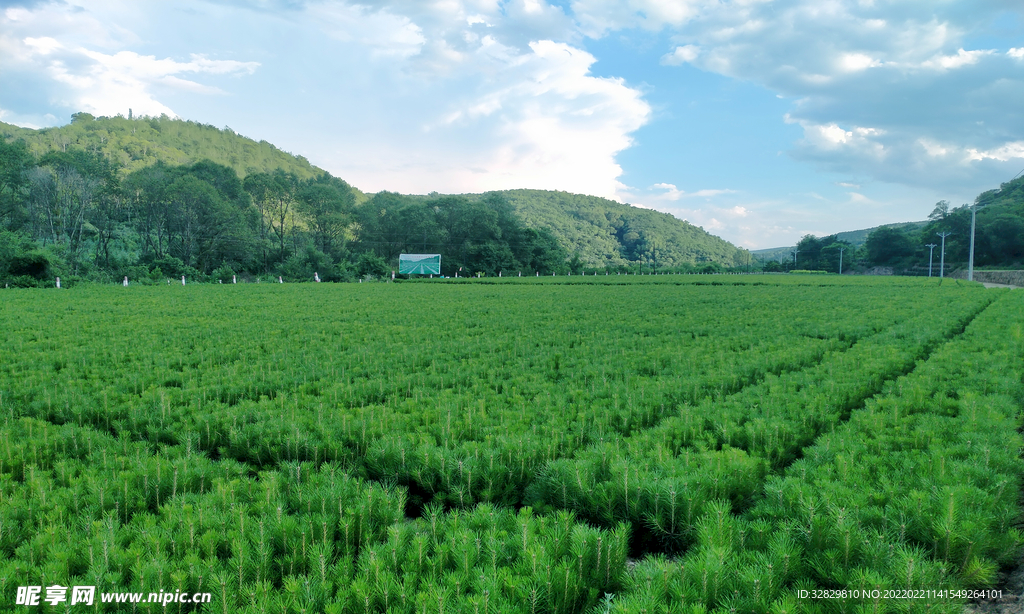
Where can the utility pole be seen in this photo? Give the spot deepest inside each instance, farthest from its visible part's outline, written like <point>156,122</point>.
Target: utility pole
<point>841,250</point>
<point>931,251</point>
<point>970,262</point>
<point>942,257</point>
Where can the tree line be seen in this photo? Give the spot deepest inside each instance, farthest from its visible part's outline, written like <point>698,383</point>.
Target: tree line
<point>907,248</point>
<point>78,214</point>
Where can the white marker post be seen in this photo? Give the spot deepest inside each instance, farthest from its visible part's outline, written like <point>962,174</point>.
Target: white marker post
<point>234,279</point>
<point>183,280</point>
<point>279,280</point>
<point>58,282</point>
<point>124,282</point>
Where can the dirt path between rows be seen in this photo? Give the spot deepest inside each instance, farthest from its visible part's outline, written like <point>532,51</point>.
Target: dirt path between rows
<point>991,285</point>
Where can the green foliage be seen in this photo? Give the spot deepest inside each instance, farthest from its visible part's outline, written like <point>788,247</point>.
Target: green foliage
<point>472,235</point>
<point>132,144</point>
<point>607,234</point>
<point>320,446</point>
<point>887,246</point>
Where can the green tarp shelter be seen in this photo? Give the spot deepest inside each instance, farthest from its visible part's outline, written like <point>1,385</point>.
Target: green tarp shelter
<point>419,264</point>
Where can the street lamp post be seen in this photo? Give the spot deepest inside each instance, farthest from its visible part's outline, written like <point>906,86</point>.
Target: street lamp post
<point>841,250</point>
<point>931,252</point>
<point>942,257</point>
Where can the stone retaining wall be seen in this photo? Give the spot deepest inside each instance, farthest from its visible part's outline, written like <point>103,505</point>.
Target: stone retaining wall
<point>1013,278</point>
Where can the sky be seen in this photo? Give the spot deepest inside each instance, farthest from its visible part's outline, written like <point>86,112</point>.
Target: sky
<point>759,120</point>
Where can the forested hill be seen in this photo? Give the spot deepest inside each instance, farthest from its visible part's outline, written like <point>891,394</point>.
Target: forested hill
<point>131,144</point>
<point>606,233</point>
<point>106,197</point>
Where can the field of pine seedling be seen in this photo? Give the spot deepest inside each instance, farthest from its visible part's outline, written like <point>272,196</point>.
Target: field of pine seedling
<point>575,445</point>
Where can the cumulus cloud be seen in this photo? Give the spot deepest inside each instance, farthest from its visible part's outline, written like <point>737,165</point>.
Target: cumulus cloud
<point>70,67</point>
<point>869,82</point>
<point>534,118</point>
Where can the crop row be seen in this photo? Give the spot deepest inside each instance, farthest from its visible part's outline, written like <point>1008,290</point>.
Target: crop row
<point>468,413</point>
<point>663,479</point>
<point>919,490</point>
<point>301,538</point>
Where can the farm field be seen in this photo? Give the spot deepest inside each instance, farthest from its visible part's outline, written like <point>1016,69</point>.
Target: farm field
<point>559,445</point>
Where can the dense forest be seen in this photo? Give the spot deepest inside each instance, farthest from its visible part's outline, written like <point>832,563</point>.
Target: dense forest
<point>157,198</point>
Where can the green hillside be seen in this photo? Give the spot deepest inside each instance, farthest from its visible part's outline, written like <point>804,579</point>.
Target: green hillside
<point>606,233</point>
<point>132,144</point>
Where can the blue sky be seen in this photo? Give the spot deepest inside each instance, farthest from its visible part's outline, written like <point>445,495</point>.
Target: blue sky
<point>759,120</point>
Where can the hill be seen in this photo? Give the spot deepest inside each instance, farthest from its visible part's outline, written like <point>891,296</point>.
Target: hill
<point>129,154</point>
<point>606,233</point>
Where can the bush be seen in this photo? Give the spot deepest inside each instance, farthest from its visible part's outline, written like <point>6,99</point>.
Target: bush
<point>371,266</point>
<point>169,266</point>
<point>223,274</point>
<point>302,265</point>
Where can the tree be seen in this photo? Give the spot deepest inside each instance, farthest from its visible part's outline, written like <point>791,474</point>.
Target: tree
<point>888,245</point>
<point>145,192</point>
<point>940,212</point>
<point>809,253</point>
<point>272,194</point>
<point>1005,236</point>
<point>830,255</point>
<point>326,204</point>
<point>15,161</point>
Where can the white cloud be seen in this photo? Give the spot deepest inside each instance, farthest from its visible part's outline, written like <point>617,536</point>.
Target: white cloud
<point>539,120</point>
<point>961,59</point>
<point>1016,52</point>
<point>384,33</point>
<point>597,17</point>
<point>61,53</point>
<point>852,62</point>
<point>1004,153</point>
<point>662,192</point>
<point>681,55</point>
<point>109,84</point>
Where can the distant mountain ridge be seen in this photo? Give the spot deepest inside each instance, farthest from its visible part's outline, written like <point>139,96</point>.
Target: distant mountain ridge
<point>599,231</point>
